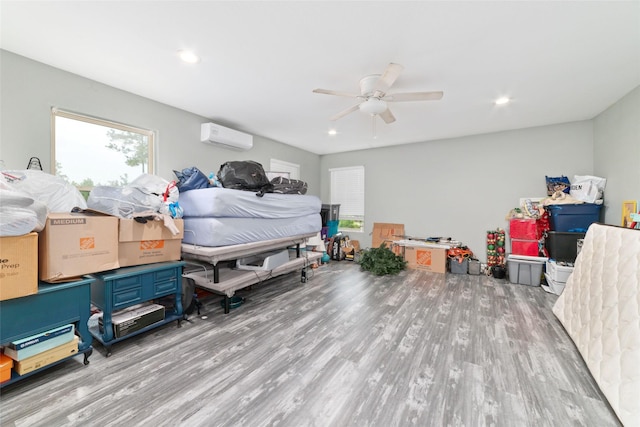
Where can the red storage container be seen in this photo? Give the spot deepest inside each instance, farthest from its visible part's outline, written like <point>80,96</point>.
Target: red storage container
<point>526,229</point>
<point>524,247</point>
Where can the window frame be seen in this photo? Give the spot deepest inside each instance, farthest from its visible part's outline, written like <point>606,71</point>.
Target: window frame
<point>343,215</point>
<point>57,112</point>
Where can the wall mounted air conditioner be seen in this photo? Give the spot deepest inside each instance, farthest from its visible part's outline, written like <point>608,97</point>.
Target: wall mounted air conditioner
<point>211,133</point>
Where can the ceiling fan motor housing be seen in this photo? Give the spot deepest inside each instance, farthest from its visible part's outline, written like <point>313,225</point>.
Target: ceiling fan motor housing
<point>367,85</point>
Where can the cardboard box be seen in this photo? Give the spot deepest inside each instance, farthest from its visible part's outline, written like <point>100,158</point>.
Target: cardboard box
<point>47,357</point>
<point>73,244</point>
<point>18,266</point>
<point>387,233</point>
<point>133,318</point>
<point>35,344</point>
<point>148,243</point>
<point>427,258</point>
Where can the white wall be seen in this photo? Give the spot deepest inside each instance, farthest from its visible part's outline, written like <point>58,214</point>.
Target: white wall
<point>617,153</point>
<point>30,89</point>
<point>462,187</point>
<point>458,188</point>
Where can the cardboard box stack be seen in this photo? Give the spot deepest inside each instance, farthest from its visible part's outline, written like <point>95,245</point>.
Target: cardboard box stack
<point>18,266</point>
<point>74,244</point>
<point>427,257</point>
<point>37,351</point>
<point>388,234</point>
<point>149,242</point>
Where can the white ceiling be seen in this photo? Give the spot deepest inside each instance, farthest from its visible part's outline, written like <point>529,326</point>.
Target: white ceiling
<point>559,61</point>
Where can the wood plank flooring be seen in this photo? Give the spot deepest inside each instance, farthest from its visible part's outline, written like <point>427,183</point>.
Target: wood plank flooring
<point>344,349</point>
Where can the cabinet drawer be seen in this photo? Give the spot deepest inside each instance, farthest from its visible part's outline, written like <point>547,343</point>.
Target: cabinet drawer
<point>127,283</point>
<point>127,297</point>
<point>162,288</point>
<point>165,275</point>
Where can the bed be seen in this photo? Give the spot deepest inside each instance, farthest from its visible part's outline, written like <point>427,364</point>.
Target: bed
<point>222,224</point>
<point>600,310</point>
<point>210,231</point>
<point>226,202</point>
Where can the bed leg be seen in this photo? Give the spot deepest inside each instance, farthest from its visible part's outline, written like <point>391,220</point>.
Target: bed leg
<point>298,250</point>
<point>216,274</point>
<point>227,304</point>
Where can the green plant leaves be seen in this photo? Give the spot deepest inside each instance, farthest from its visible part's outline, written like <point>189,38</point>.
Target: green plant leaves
<point>381,261</point>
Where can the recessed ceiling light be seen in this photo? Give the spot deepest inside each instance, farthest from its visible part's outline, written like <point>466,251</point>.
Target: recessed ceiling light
<point>188,56</point>
<point>502,101</point>
<point>332,132</point>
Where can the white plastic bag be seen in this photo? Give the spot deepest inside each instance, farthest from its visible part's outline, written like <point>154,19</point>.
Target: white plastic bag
<point>19,213</point>
<point>587,188</point>
<point>146,193</point>
<point>152,184</point>
<point>56,193</point>
<point>123,202</point>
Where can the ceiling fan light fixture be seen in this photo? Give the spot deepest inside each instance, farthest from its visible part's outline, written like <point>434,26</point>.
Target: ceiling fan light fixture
<point>373,106</point>
<point>503,100</point>
<point>332,132</point>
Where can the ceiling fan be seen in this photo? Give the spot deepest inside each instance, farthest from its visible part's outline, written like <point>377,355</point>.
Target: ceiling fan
<point>374,97</point>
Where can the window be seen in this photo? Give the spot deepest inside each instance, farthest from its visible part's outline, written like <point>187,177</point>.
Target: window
<point>282,168</point>
<point>88,152</point>
<point>347,190</point>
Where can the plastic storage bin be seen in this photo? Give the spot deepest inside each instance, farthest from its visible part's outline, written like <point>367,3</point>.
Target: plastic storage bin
<point>329,213</point>
<point>526,229</point>
<point>558,273</point>
<point>474,267</point>
<point>332,228</point>
<point>459,267</point>
<point>525,272</point>
<point>6,364</point>
<point>524,247</point>
<point>573,218</point>
<point>555,287</point>
<point>563,246</point>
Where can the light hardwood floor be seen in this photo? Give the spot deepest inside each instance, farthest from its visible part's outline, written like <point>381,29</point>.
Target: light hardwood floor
<point>345,349</point>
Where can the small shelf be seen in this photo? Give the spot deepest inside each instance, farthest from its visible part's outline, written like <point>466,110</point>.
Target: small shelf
<point>54,305</point>
<point>118,289</point>
<point>95,331</point>
<point>15,377</point>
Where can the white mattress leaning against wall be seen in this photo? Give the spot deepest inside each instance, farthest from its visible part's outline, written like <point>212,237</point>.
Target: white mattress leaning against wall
<point>600,310</point>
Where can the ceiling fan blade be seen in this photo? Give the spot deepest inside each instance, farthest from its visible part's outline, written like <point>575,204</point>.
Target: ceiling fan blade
<point>414,96</point>
<point>387,116</point>
<point>335,92</point>
<point>388,77</point>
<point>345,112</point>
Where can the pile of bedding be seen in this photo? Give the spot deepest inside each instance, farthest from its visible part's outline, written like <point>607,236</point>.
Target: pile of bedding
<point>222,216</point>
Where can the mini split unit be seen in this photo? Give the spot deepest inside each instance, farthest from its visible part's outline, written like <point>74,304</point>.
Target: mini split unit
<point>211,133</point>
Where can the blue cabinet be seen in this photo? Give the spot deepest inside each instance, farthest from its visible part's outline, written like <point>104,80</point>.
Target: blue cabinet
<point>118,289</point>
<point>54,305</point>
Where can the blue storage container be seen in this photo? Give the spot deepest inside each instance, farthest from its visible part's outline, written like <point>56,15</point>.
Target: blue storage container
<point>573,218</point>
<point>332,228</point>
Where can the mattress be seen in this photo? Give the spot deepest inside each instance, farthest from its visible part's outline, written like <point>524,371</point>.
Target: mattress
<point>208,231</point>
<point>600,310</point>
<point>227,202</point>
